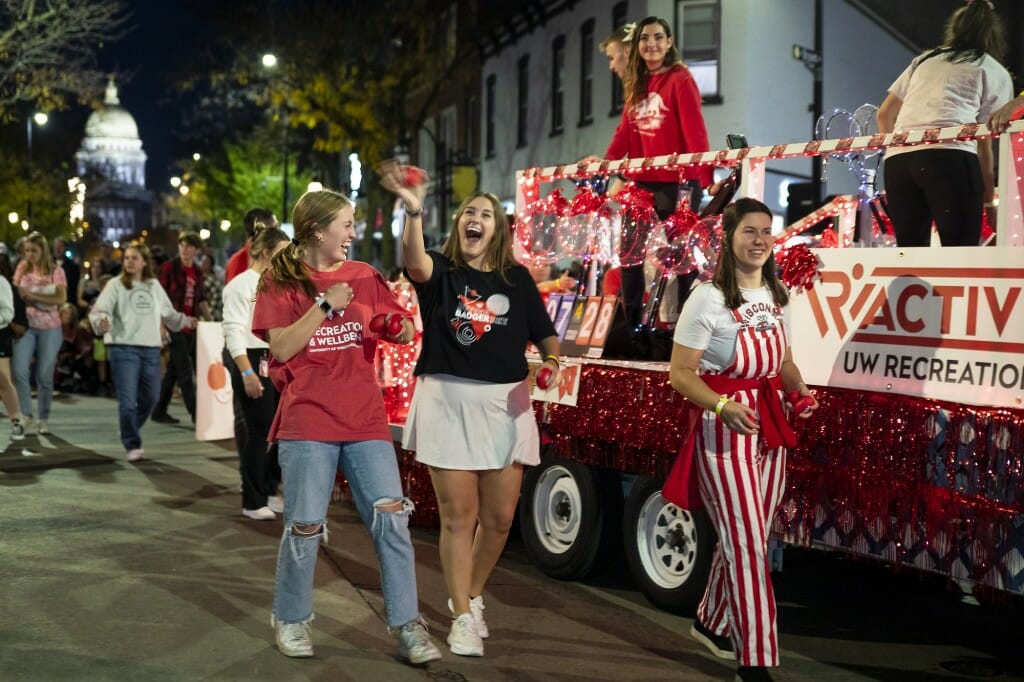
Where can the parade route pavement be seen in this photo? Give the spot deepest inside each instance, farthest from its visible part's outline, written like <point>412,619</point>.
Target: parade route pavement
<point>119,571</point>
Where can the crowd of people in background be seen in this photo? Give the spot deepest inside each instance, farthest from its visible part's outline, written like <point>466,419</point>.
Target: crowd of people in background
<point>48,348</point>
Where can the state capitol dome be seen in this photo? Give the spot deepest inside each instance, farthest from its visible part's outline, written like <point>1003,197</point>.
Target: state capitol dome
<point>112,120</point>
<point>112,146</point>
<point>113,164</point>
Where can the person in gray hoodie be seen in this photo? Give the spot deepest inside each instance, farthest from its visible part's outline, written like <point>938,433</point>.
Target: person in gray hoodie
<point>129,312</point>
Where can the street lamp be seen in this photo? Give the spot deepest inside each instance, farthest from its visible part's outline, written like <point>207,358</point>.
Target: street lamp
<point>269,61</point>
<point>40,119</point>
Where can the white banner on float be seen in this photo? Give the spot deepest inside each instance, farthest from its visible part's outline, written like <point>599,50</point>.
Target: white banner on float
<point>215,413</point>
<point>944,323</point>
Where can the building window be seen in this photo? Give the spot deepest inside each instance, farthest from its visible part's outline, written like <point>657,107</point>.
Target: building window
<point>587,72</point>
<point>558,85</point>
<point>489,127</point>
<point>470,127</point>
<point>619,13</point>
<point>523,92</point>
<point>699,31</point>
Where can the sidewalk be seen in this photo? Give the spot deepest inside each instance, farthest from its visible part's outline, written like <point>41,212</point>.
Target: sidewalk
<point>114,571</point>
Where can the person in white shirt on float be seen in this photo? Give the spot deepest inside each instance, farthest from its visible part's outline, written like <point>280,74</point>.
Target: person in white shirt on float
<point>959,82</point>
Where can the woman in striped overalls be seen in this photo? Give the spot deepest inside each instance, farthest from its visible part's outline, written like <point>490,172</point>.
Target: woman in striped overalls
<point>732,361</point>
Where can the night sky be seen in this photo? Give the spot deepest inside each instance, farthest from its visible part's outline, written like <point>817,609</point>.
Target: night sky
<point>150,55</point>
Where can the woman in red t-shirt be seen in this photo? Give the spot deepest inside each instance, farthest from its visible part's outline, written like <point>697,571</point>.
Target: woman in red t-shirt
<point>318,311</point>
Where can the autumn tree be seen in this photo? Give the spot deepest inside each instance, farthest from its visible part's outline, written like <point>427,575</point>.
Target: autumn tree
<point>342,81</point>
<point>48,51</point>
<point>240,175</point>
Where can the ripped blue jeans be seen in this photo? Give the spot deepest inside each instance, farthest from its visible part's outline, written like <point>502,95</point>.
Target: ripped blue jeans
<point>308,469</point>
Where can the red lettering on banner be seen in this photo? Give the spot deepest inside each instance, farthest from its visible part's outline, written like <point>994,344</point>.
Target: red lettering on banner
<point>972,311</point>
<point>1000,314</point>
<point>913,291</point>
<point>862,298</point>
<point>836,303</point>
<point>947,294</point>
<point>567,380</point>
<point>881,306</point>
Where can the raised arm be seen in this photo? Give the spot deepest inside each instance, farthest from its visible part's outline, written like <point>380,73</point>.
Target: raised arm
<point>414,250</point>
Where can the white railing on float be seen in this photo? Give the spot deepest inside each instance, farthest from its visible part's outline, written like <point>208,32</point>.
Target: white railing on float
<point>1010,186</point>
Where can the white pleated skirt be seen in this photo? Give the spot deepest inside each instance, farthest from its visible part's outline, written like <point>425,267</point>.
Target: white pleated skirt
<point>457,423</point>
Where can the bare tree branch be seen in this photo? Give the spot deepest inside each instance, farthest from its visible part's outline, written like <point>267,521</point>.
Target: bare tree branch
<point>48,50</point>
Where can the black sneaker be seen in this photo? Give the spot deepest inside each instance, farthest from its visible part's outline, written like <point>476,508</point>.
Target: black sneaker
<point>717,644</point>
<point>164,418</point>
<point>753,673</point>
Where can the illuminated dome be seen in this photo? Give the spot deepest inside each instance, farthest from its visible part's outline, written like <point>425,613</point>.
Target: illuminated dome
<point>113,165</point>
<point>112,120</point>
<point>112,146</point>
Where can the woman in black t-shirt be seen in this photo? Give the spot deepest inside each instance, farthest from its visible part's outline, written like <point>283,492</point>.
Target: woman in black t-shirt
<point>471,420</point>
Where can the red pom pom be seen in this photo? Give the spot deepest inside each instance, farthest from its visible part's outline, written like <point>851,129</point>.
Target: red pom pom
<point>800,403</point>
<point>413,176</point>
<point>799,267</point>
<point>389,325</point>
<point>544,377</point>
<point>393,325</point>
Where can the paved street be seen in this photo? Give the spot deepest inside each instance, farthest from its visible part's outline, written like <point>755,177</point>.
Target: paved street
<point>112,571</point>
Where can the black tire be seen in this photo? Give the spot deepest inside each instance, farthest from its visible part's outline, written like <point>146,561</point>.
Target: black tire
<point>668,549</point>
<point>566,511</point>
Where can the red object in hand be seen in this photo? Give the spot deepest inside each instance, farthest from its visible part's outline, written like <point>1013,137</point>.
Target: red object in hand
<point>389,325</point>
<point>544,375</point>
<point>413,176</point>
<point>800,403</point>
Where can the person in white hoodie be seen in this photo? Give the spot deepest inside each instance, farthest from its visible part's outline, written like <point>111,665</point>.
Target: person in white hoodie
<point>128,313</point>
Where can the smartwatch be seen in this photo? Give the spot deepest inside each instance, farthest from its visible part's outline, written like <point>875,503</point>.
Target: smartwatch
<point>323,305</point>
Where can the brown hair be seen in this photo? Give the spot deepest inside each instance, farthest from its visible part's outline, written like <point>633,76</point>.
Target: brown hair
<point>265,239</point>
<point>499,255</point>
<point>313,212</point>
<point>147,264</point>
<point>973,31</point>
<point>191,238</point>
<point>256,219</point>
<point>725,271</point>
<point>637,76</point>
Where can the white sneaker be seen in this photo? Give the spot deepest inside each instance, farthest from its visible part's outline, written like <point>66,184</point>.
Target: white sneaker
<point>276,504</point>
<point>476,608</point>
<point>261,514</point>
<point>415,645</point>
<point>293,639</point>
<point>136,454</point>
<point>42,427</point>
<point>463,639</point>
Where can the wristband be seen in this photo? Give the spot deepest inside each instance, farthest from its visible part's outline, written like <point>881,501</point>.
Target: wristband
<point>721,403</point>
<point>552,357</point>
<point>248,372</point>
<point>412,214</point>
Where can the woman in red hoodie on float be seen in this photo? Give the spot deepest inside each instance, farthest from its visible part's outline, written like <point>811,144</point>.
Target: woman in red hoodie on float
<point>662,116</point>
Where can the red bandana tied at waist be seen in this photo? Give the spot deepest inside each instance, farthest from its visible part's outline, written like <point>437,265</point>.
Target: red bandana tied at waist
<point>681,485</point>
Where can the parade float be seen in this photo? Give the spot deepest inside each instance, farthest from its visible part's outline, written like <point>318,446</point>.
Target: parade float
<point>916,356</point>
